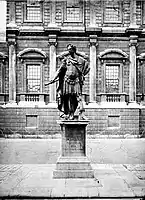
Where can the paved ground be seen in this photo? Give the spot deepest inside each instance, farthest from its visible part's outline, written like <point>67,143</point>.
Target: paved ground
<point>26,168</point>
<point>36,181</point>
<point>46,151</point>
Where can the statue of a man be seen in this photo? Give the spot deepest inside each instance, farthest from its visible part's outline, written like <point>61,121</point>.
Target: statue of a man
<point>70,76</point>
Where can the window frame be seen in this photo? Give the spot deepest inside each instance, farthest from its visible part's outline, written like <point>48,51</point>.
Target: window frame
<point>143,13</point>
<point>27,79</point>
<point>32,62</point>
<point>104,21</point>
<point>25,20</point>
<point>120,76</point>
<point>81,6</point>
<point>2,82</point>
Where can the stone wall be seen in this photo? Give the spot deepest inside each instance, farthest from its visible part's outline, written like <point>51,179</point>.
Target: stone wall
<point>42,121</point>
<point>142,122</point>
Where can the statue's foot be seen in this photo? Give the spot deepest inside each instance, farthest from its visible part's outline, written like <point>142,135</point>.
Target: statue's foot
<point>64,116</point>
<point>71,117</point>
<point>82,117</point>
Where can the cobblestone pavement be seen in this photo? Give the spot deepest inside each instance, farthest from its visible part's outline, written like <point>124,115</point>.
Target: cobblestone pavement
<point>46,151</point>
<point>36,181</point>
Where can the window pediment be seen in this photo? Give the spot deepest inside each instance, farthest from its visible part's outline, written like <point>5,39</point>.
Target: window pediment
<point>113,54</point>
<point>3,57</point>
<point>141,57</point>
<point>32,53</point>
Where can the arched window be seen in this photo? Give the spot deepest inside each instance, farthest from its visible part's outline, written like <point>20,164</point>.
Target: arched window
<point>111,66</point>
<point>112,73</point>
<point>112,61</point>
<point>32,65</point>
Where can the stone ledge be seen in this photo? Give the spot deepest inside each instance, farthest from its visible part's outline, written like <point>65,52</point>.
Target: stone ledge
<point>73,174</point>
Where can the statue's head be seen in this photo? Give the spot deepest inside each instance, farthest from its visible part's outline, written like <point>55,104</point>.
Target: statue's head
<point>71,48</point>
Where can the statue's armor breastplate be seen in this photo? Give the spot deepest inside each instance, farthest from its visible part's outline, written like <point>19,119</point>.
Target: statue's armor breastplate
<point>71,72</point>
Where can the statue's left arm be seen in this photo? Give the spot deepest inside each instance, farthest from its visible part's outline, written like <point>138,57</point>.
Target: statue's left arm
<point>86,68</point>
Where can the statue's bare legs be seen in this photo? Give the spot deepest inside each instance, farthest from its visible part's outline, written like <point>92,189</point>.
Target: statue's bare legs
<point>81,109</point>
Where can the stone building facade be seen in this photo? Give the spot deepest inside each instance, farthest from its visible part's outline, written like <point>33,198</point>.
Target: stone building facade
<point>110,32</point>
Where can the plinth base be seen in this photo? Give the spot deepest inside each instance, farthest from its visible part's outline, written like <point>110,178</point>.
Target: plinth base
<point>73,167</point>
<point>73,162</point>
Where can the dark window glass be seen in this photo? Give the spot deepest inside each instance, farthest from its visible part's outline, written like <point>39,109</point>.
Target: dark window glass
<point>112,12</point>
<point>33,78</point>
<point>33,10</point>
<point>73,11</point>
<point>112,78</point>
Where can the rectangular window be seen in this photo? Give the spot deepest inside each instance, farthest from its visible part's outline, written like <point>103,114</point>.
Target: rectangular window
<point>73,11</point>
<point>73,14</point>
<point>1,78</point>
<point>33,78</point>
<point>112,78</point>
<point>33,11</point>
<point>112,12</point>
<point>143,13</point>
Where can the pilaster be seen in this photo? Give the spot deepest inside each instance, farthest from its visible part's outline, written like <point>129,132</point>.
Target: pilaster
<point>12,68</point>
<point>52,67</point>
<point>132,69</point>
<point>92,84</point>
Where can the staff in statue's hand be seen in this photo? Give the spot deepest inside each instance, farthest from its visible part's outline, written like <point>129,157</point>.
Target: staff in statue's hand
<point>50,82</point>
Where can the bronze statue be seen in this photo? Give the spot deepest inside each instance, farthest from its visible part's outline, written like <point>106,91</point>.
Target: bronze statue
<point>70,77</point>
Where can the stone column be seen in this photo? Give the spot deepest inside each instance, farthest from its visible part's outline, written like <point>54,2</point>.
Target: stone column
<point>132,69</point>
<point>52,14</point>
<point>92,84</point>
<point>52,66</point>
<point>12,69</point>
<point>133,14</point>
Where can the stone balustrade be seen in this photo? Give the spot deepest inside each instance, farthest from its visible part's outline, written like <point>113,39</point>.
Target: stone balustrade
<point>112,97</point>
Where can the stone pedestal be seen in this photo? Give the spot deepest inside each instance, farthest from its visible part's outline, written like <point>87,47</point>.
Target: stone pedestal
<point>73,162</point>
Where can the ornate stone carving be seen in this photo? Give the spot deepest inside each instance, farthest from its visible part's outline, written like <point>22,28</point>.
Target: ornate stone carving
<point>133,40</point>
<point>93,40</point>
<point>11,42</point>
<point>52,40</point>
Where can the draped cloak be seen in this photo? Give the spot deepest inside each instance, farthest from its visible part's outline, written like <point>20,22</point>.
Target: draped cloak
<point>71,76</point>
